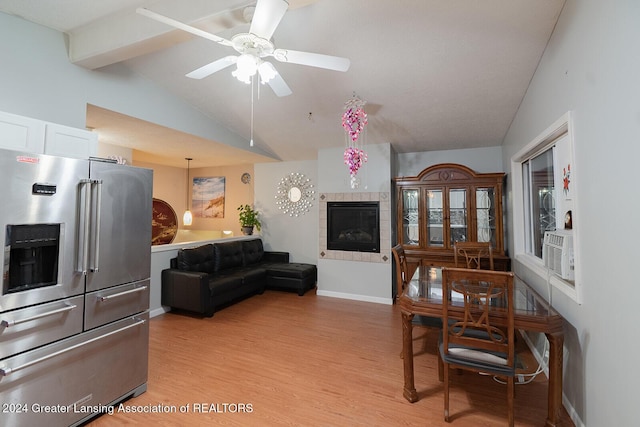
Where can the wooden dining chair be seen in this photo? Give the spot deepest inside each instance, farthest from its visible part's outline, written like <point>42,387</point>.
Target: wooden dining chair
<point>402,268</point>
<point>473,253</point>
<point>469,339</point>
<point>403,277</point>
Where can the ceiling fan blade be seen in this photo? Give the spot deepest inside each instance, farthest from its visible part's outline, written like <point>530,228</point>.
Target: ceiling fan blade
<point>184,27</point>
<point>267,16</point>
<point>274,79</point>
<point>279,86</point>
<point>213,67</point>
<point>319,60</point>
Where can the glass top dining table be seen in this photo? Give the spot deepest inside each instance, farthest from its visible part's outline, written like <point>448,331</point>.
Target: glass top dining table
<point>423,296</point>
<point>426,287</point>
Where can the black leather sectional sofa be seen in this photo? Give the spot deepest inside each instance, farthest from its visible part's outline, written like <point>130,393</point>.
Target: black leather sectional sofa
<point>211,276</point>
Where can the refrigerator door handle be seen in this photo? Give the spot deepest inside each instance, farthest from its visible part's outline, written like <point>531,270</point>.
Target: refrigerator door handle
<point>4,370</point>
<point>83,225</point>
<point>96,240</point>
<point>102,298</point>
<point>13,322</point>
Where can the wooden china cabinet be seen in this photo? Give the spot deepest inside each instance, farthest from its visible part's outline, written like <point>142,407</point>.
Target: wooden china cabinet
<point>446,203</point>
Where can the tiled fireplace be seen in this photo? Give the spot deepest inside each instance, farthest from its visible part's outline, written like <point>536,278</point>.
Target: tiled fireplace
<point>384,228</point>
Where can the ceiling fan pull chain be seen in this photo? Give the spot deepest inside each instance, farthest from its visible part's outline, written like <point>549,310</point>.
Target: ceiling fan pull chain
<point>253,84</point>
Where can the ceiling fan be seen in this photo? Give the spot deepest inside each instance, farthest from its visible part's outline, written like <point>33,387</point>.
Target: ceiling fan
<point>254,46</point>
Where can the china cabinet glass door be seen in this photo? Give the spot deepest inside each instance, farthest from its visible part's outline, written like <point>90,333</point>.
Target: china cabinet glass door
<point>410,217</point>
<point>435,220</point>
<point>486,215</point>
<point>457,215</point>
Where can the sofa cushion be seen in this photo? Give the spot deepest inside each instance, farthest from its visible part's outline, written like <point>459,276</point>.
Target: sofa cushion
<point>197,259</point>
<point>250,274</point>
<point>292,270</point>
<point>253,251</point>
<point>222,284</point>
<point>228,255</point>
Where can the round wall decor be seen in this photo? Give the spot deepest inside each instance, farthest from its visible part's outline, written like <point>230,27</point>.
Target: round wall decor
<point>164,223</point>
<point>295,194</point>
<point>245,178</point>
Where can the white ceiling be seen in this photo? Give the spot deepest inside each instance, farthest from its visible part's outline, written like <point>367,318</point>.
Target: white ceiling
<point>436,74</point>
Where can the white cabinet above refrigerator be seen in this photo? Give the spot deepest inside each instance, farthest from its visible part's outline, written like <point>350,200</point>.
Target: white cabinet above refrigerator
<point>66,141</point>
<point>21,133</point>
<point>40,137</point>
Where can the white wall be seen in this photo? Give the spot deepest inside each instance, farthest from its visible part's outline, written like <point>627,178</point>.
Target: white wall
<point>280,232</point>
<point>481,160</point>
<point>374,176</point>
<point>591,68</point>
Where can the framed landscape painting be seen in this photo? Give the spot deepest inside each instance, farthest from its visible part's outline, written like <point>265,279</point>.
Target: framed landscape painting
<point>207,198</point>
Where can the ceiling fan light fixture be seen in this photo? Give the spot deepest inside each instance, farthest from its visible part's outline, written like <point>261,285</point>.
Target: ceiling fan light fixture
<point>255,45</point>
<point>244,78</point>
<point>267,72</point>
<point>246,67</point>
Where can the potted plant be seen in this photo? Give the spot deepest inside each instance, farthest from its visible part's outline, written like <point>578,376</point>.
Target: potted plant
<point>248,219</point>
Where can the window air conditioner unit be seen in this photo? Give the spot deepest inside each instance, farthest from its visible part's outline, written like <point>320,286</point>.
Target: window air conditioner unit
<point>557,253</point>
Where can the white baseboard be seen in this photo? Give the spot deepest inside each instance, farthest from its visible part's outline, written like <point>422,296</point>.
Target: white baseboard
<point>365,298</point>
<point>158,311</point>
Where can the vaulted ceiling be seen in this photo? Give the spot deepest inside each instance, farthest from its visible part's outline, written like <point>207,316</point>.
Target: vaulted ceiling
<point>435,74</point>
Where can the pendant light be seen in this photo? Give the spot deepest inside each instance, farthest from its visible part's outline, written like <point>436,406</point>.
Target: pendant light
<point>187,218</point>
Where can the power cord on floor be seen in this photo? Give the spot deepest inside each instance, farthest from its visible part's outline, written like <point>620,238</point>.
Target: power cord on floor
<point>529,377</point>
<point>544,364</point>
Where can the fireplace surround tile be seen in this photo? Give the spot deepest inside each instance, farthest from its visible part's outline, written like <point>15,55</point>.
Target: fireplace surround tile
<point>385,227</point>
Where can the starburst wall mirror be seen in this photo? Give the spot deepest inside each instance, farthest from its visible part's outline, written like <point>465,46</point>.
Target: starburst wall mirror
<point>295,194</point>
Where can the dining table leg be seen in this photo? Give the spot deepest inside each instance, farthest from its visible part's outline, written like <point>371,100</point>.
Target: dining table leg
<point>554,403</point>
<point>410,392</point>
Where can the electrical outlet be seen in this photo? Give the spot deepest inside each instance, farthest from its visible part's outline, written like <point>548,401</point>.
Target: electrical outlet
<point>520,378</point>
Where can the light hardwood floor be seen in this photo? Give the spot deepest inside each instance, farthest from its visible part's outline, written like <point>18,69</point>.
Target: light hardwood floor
<point>308,361</point>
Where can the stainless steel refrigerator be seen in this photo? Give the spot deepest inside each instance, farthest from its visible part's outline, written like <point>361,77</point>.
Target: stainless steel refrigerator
<point>75,286</point>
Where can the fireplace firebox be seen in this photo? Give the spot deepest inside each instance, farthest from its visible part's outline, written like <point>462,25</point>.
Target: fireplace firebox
<point>353,226</point>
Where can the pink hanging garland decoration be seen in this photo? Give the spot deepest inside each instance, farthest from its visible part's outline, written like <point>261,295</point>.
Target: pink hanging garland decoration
<point>354,158</point>
<point>353,121</point>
